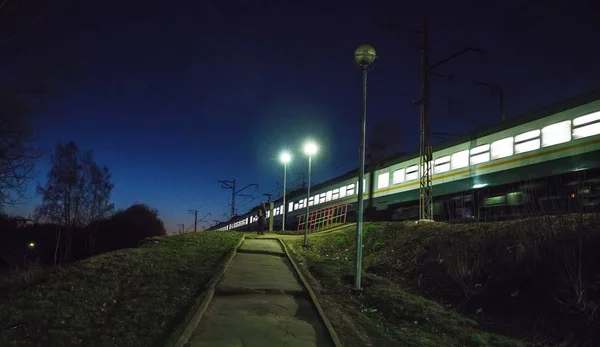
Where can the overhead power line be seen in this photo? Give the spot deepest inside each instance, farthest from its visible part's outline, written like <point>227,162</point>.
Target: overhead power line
<point>231,185</point>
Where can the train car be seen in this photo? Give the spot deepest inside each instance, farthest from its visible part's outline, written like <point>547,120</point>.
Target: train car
<point>547,161</point>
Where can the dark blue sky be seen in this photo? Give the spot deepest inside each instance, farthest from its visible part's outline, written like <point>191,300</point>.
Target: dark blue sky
<point>174,96</point>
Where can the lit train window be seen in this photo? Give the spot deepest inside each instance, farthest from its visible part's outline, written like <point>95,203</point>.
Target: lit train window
<point>480,149</point>
<point>398,176</point>
<point>587,130</point>
<point>442,160</point>
<point>588,118</point>
<point>350,189</point>
<point>311,201</point>
<point>480,154</point>
<point>527,146</point>
<point>441,168</point>
<point>296,206</point>
<point>364,186</point>
<point>342,192</point>
<point>502,148</point>
<point>480,158</point>
<point>460,159</point>
<point>328,196</point>
<point>322,198</point>
<point>556,133</point>
<point>527,136</point>
<point>335,194</point>
<point>290,206</point>
<point>411,173</point>
<point>383,181</point>
<point>442,164</point>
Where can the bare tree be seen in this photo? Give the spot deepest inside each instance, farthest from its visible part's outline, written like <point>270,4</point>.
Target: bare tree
<point>60,194</point>
<point>17,155</point>
<point>98,190</point>
<point>62,197</point>
<point>76,194</point>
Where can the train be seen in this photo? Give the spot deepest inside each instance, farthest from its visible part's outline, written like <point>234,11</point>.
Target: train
<point>546,161</point>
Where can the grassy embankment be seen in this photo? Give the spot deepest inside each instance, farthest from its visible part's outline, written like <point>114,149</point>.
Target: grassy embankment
<point>131,297</point>
<point>439,284</point>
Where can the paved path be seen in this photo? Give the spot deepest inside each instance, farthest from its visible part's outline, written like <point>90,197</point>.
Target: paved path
<point>260,302</point>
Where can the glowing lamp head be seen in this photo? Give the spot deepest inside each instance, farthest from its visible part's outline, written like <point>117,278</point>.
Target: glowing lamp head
<point>285,157</point>
<point>31,245</point>
<point>365,55</point>
<point>310,149</point>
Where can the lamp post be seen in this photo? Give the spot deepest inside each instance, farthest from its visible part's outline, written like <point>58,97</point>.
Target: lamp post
<point>364,56</point>
<point>285,159</point>
<point>310,149</point>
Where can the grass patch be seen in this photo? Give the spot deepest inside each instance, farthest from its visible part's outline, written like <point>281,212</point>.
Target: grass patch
<point>535,279</point>
<point>383,313</point>
<point>131,297</point>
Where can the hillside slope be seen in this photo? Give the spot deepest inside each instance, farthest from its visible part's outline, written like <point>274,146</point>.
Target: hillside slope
<point>536,279</point>
<point>131,297</point>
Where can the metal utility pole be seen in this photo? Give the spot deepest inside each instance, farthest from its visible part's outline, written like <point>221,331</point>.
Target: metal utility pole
<point>425,151</point>
<point>425,200</point>
<point>231,185</point>
<point>195,213</point>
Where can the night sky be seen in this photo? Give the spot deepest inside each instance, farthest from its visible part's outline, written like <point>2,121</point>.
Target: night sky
<point>174,96</point>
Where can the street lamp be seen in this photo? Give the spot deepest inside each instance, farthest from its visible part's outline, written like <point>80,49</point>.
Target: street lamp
<point>364,56</point>
<point>310,149</point>
<point>285,159</point>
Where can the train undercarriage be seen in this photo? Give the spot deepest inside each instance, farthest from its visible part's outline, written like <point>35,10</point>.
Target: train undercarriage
<point>573,192</point>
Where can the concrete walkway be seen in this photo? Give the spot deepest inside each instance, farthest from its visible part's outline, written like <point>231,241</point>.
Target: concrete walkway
<point>260,302</point>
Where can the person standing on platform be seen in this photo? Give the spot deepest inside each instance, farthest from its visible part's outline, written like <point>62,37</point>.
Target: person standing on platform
<point>262,213</point>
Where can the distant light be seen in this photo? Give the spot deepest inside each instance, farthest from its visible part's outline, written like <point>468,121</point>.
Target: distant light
<point>479,185</point>
<point>285,157</point>
<point>310,149</point>
<point>31,245</point>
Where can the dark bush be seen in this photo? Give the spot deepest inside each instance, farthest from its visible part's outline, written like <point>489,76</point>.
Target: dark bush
<point>38,242</point>
<point>126,228</point>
